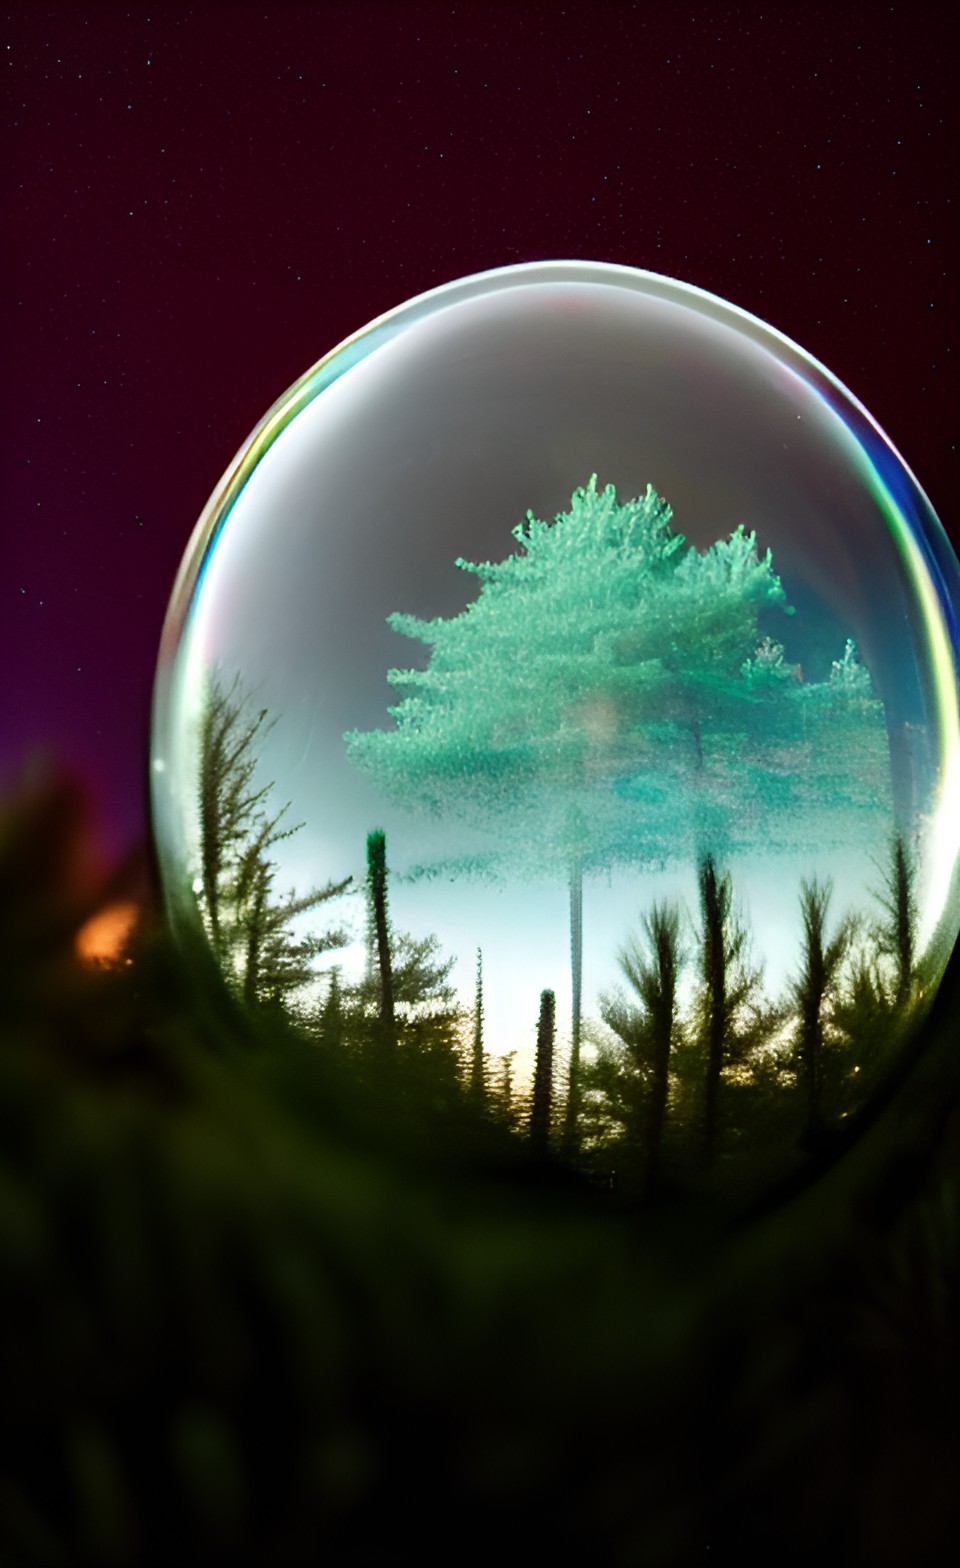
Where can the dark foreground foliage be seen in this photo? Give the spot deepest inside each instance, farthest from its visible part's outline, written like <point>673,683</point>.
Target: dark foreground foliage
<point>254,1313</point>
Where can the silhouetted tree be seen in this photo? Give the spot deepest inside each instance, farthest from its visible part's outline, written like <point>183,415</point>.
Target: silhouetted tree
<point>230,804</point>
<point>879,992</point>
<point>502,1097</point>
<point>332,1020</point>
<point>477,1062</point>
<point>541,1106</point>
<point>628,1083</point>
<point>277,962</point>
<point>814,990</point>
<point>896,933</point>
<point>654,978</point>
<point>252,928</point>
<point>429,1020</point>
<point>404,1006</point>
<point>380,922</point>
<point>730,1016</point>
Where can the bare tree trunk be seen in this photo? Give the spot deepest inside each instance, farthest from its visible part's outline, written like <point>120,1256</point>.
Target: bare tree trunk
<point>477,1077</point>
<point>572,1112</point>
<point>377,885</point>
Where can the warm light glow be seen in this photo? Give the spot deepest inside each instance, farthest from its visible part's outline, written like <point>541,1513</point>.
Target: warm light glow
<point>101,939</point>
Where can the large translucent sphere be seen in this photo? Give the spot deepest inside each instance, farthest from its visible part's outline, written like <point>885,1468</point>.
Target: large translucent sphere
<point>635,637</point>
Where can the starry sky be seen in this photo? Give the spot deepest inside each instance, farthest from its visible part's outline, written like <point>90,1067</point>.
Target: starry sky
<point>199,200</point>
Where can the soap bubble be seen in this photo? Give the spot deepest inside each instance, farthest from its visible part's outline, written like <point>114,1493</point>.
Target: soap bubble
<point>631,633</point>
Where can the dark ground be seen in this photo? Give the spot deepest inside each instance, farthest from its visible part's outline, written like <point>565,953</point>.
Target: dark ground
<point>252,1317</point>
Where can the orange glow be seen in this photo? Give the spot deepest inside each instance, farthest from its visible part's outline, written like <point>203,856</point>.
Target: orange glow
<point>101,938</point>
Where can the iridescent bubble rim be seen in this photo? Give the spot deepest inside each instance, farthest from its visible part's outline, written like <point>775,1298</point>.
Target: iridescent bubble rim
<point>929,563</point>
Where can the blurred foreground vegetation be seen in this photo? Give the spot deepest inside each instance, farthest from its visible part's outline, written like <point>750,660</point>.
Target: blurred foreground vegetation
<point>259,1311</point>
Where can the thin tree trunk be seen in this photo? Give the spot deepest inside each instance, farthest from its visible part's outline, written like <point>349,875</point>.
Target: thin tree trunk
<point>715,997</point>
<point>377,884</point>
<point>477,1084</point>
<point>211,824</point>
<point>572,1113</point>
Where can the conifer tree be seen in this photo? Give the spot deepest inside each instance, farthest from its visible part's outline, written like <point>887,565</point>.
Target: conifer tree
<point>541,1105</point>
<point>731,1019</point>
<point>609,699</point>
<point>654,977</point>
<point>331,1021</point>
<point>229,803</point>
<point>814,990</point>
<point>252,929</point>
<point>628,1084</point>
<point>477,1060</point>
<point>404,1006</point>
<point>896,932</point>
<point>879,988</point>
<point>502,1096</point>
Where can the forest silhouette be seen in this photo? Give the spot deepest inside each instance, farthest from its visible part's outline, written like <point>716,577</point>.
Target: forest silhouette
<point>689,1076</point>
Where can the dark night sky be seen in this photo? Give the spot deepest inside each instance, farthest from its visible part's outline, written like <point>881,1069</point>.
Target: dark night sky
<point>200,200</point>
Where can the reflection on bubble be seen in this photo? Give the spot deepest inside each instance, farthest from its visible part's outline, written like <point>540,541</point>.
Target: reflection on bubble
<point>568,658</point>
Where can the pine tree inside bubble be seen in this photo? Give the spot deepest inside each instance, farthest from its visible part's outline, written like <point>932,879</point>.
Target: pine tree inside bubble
<point>613,698</point>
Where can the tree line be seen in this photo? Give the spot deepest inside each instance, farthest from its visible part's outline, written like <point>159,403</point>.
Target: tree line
<point>688,1065</point>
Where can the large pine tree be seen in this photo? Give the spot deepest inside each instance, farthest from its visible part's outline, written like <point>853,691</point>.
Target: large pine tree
<point>609,699</point>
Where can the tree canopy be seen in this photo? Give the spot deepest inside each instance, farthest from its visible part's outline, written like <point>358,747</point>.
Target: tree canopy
<point>613,688</point>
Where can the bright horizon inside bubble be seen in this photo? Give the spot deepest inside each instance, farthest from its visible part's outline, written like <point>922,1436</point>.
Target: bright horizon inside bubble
<point>426,440</point>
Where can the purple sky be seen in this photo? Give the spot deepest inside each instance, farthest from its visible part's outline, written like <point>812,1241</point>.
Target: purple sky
<point>200,200</point>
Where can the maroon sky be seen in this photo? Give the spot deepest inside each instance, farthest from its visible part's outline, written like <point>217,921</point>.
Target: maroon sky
<point>199,200</point>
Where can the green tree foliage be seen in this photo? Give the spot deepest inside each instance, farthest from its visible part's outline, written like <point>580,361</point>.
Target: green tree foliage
<point>254,930</point>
